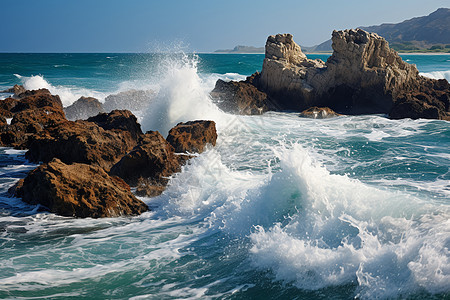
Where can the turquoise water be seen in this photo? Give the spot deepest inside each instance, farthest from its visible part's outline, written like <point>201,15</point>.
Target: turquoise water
<point>281,208</point>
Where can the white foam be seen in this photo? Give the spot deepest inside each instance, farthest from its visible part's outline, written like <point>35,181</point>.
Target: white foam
<point>68,95</point>
<point>182,97</point>
<point>437,75</point>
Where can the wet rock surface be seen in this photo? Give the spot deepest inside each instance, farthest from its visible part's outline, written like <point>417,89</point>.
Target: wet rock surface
<point>83,108</point>
<point>79,190</point>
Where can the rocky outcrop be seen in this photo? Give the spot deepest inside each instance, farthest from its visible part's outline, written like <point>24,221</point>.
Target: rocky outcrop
<point>318,113</point>
<point>193,136</point>
<point>81,142</point>
<point>240,97</point>
<point>16,90</point>
<point>133,100</point>
<point>32,113</point>
<point>79,190</point>
<point>154,159</point>
<point>363,76</point>
<point>150,164</point>
<point>83,108</point>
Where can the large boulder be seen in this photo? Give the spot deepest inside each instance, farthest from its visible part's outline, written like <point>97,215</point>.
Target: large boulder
<point>32,113</point>
<point>83,108</point>
<point>81,142</point>
<point>118,120</point>
<point>240,97</point>
<point>153,159</point>
<point>134,100</point>
<point>79,190</point>
<point>193,136</point>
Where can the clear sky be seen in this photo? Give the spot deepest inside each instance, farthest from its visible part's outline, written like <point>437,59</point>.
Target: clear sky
<point>200,25</point>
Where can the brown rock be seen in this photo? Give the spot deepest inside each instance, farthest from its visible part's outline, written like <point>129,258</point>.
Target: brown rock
<point>120,120</point>
<point>318,113</point>
<point>79,190</point>
<point>145,188</point>
<point>35,111</point>
<point>152,159</point>
<point>193,136</point>
<point>81,142</point>
<point>240,98</point>
<point>83,108</point>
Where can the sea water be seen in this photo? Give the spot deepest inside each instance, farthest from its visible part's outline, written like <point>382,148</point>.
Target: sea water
<point>282,208</point>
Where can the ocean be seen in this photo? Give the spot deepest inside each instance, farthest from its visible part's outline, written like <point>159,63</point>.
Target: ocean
<point>282,208</point>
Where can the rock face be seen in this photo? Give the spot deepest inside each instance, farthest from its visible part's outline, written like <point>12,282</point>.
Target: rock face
<point>153,159</point>
<point>318,113</point>
<point>363,76</point>
<point>83,108</point>
<point>134,100</point>
<point>193,136</point>
<point>240,97</point>
<point>149,165</point>
<point>79,190</point>
<point>32,113</point>
<point>81,142</point>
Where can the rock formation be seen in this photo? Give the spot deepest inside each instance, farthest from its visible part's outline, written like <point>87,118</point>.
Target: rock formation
<point>193,136</point>
<point>83,108</point>
<point>153,158</point>
<point>16,90</point>
<point>79,190</point>
<point>32,113</point>
<point>73,181</point>
<point>149,165</point>
<point>240,97</point>
<point>363,76</point>
<point>81,142</point>
<point>134,100</point>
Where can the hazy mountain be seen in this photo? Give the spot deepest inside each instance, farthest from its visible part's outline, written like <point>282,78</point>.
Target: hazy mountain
<point>242,49</point>
<point>419,33</point>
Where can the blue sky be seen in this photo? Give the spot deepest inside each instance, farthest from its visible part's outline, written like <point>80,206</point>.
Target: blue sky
<point>198,25</point>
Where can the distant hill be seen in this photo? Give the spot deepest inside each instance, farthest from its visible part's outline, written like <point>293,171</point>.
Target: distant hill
<point>429,33</point>
<point>242,49</point>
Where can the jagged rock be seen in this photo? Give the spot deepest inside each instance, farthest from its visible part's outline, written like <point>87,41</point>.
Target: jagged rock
<point>16,90</point>
<point>193,136</point>
<point>363,76</point>
<point>79,190</point>
<point>152,159</point>
<point>83,108</point>
<point>120,120</point>
<point>147,188</point>
<point>240,97</point>
<point>81,142</point>
<point>35,111</point>
<point>134,100</point>
<point>318,113</point>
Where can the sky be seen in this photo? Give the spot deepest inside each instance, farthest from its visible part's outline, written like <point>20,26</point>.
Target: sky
<point>192,25</point>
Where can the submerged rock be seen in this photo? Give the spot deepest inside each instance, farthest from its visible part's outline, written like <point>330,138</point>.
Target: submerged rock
<point>318,113</point>
<point>83,108</point>
<point>362,76</point>
<point>193,136</point>
<point>79,190</point>
<point>134,100</point>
